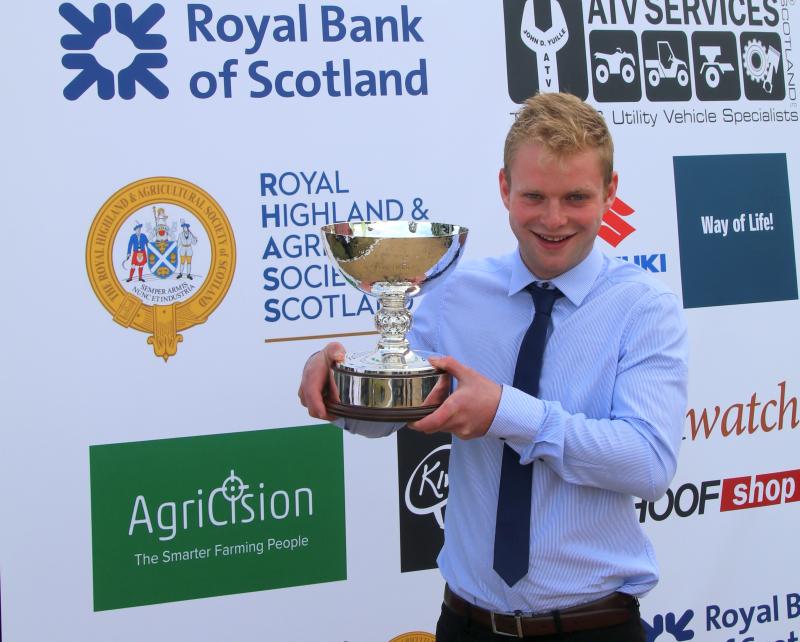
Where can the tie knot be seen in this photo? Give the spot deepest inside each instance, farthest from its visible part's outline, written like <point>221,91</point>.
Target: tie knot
<point>543,297</point>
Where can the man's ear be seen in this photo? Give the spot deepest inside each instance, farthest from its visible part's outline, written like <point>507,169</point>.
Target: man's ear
<point>505,188</point>
<point>611,195</point>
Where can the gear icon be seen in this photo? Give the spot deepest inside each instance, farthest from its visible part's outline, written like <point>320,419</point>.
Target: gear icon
<point>754,60</point>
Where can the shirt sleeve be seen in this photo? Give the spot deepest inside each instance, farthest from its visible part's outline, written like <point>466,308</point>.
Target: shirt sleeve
<point>635,449</point>
<point>422,337</point>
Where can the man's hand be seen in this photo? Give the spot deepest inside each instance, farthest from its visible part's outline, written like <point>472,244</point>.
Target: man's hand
<point>470,410</point>
<point>317,380</point>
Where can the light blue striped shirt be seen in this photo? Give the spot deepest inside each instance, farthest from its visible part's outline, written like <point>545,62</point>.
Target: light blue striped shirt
<point>606,427</point>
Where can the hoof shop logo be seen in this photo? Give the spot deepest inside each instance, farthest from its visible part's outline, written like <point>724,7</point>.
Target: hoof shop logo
<point>161,257</point>
<point>95,35</point>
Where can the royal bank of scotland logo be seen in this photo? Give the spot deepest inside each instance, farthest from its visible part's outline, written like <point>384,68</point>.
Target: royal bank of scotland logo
<point>91,30</point>
<point>161,257</point>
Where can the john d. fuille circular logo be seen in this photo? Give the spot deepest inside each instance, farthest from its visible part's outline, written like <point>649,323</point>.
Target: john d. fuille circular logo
<point>160,257</point>
<point>416,636</point>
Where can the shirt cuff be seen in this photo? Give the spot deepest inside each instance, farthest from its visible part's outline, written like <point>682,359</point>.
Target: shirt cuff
<point>518,418</point>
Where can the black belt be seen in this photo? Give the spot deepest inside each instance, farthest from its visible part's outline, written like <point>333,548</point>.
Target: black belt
<point>607,611</point>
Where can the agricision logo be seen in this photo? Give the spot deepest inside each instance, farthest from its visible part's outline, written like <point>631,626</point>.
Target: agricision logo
<point>91,31</point>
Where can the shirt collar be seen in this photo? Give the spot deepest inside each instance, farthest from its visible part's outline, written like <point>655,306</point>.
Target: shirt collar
<point>575,283</point>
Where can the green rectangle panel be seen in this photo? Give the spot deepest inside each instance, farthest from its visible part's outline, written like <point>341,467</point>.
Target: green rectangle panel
<point>177,519</point>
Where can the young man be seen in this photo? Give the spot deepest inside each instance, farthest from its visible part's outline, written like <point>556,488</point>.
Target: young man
<point>598,423</point>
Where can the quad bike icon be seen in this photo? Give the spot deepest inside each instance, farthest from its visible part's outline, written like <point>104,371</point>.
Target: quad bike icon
<point>711,70</point>
<point>620,62</point>
<point>666,66</point>
<point>761,63</point>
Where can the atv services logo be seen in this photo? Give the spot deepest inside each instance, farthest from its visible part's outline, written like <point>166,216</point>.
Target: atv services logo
<point>178,519</point>
<point>161,257</point>
<point>659,50</point>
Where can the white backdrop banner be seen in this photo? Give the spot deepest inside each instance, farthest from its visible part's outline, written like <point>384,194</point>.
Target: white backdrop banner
<point>166,169</point>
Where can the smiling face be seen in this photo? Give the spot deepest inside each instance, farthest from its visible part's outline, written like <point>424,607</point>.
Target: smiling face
<point>555,206</point>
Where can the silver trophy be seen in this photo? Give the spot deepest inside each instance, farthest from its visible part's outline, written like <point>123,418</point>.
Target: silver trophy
<point>391,260</point>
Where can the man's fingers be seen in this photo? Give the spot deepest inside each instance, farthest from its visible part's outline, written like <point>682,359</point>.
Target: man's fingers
<point>332,391</point>
<point>334,353</point>
<point>451,365</point>
<point>439,392</point>
<point>317,380</point>
<point>434,421</point>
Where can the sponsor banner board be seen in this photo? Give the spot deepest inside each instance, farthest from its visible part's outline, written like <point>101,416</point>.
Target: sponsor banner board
<point>735,229</point>
<point>176,519</point>
<point>741,621</point>
<point>422,464</point>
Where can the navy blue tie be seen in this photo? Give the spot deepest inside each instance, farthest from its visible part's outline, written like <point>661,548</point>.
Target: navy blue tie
<point>512,530</point>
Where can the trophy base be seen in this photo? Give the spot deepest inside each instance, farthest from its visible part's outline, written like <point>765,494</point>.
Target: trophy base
<point>385,415</point>
<point>383,396</point>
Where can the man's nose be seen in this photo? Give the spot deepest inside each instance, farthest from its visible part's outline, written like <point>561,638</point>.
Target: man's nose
<point>553,215</point>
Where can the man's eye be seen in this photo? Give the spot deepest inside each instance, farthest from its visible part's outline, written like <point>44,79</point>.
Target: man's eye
<point>577,197</point>
<point>532,196</point>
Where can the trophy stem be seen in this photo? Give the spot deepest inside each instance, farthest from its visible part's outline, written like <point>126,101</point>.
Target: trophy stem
<point>393,321</point>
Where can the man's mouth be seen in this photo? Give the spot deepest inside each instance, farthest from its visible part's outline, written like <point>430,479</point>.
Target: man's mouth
<point>553,239</point>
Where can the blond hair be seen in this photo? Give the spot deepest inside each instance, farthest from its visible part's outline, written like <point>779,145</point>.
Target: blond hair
<point>564,125</point>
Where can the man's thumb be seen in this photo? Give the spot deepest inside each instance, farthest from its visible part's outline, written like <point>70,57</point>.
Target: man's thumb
<point>450,365</point>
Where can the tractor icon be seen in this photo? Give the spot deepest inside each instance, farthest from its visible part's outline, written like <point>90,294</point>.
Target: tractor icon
<point>666,66</point>
<point>711,70</point>
<point>620,62</point>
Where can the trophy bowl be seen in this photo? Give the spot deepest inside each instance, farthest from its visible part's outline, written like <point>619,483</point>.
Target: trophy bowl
<point>391,260</point>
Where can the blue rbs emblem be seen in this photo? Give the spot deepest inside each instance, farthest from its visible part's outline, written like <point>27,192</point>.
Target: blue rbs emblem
<point>91,30</point>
